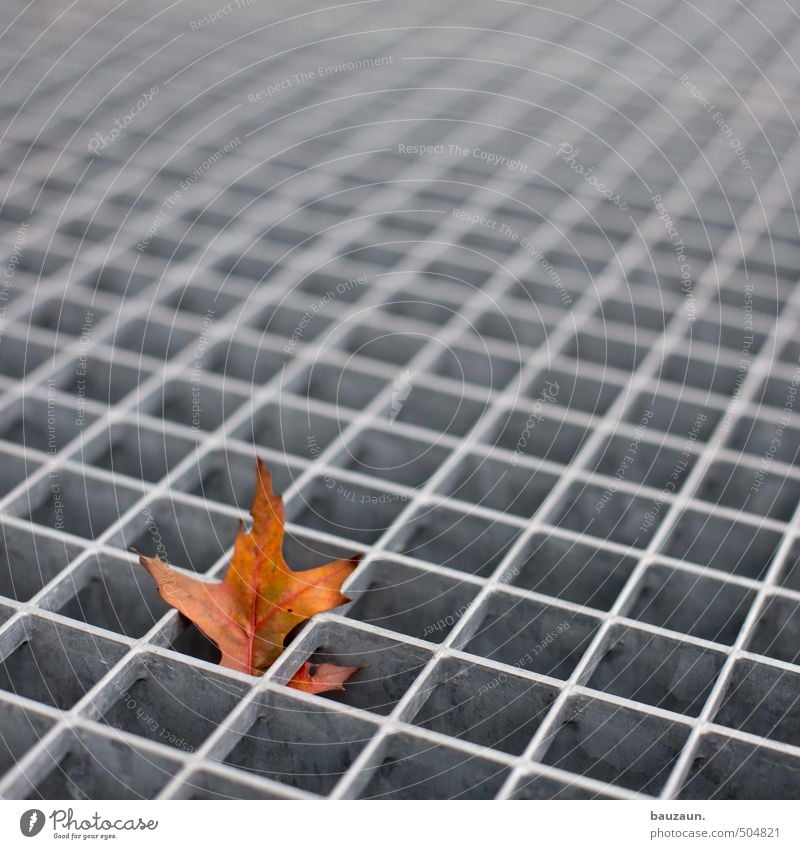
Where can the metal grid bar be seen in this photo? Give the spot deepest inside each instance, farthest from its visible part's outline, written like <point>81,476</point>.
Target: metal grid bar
<point>474,687</point>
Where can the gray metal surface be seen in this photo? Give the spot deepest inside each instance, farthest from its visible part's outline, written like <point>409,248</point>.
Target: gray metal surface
<point>553,407</point>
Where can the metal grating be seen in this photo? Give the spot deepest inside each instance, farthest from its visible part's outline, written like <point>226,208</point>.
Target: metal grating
<point>569,455</point>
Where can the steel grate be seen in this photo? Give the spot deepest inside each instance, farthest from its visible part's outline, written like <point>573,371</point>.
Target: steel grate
<point>558,422</point>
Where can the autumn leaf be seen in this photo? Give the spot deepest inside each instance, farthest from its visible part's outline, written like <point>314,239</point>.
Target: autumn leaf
<point>321,677</point>
<point>251,611</point>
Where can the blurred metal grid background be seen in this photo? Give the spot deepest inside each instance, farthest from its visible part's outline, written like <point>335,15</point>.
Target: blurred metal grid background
<point>568,454</point>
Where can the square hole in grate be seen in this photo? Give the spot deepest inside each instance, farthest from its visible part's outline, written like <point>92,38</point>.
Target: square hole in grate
<point>137,450</point>
<point>289,429</point>
<point>391,346</point>
<point>766,436</point>
<point>656,670</point>
<point>411,768</point>
<point>46,425</point>
<point>150,338</point>
<point>344,386</point>
<point>458,540</point>
<point>56,664</point>
<point>541,787</point>
<point>192,642</point>
<point>105,381</point>
<point>771,305</point>
<point>118,281</point>
<point>616,745</point>
<point>480,367</point>
<point>380,256</point>
<point>229,477</point>
<point>20,729</point>
<point>426,307</point>
<point>535,293</point>
<point>133,202</point>
<point>434,409</point>
<point>777,391</point>
<point>405,223</point>
<point>245,362</point>
<point>247,268</point>
<point>639,461</point>
<point>483,243</point>
<point>677,416</point>
<point>192,404</point>
<point>777,633</point>
<point>6,612</point>
<point>290,323</point>
<point>506,487</point>
<point>762,700</point>
<point>388,667</point>
<point>700,372</point>
<point>188,535</point>
<point>608,513</point>
<point>718,335</point>
<point>470,276</point>
<point>207,301</point>
<point>112,593</point>
<point>719,543</point>
<point>76,503</point>
<point>59,315</point>
<point>633,314</point>
<point>483,706</point>
<point>98,767</point>
<point>692,604</point>
<point>208,784</point>
<point>512,328</point>
<point>790,352</point>
<point>753,489</point>
<point>530,432</point>
<point>323,284</point>
<point>350,510</point>
<point>19,357</point>
<point>533,636</point>
<point>87,230</point>
<point>605,351</point>
<point>570,570</point>
<point>376,452</point>
<point>569,389</point>
<point>302,551</point>
<point>411,601</point>
<point>171,702</point>
<point>17,467</point>
<point>166,248</point>
<point>790,573</point>
<point>304,745</point>
<point>29,559</point>
<point>731,769</point>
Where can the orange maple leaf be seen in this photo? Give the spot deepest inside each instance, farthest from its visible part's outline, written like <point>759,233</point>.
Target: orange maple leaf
<point>322,677</point>
<point>251,611</point>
